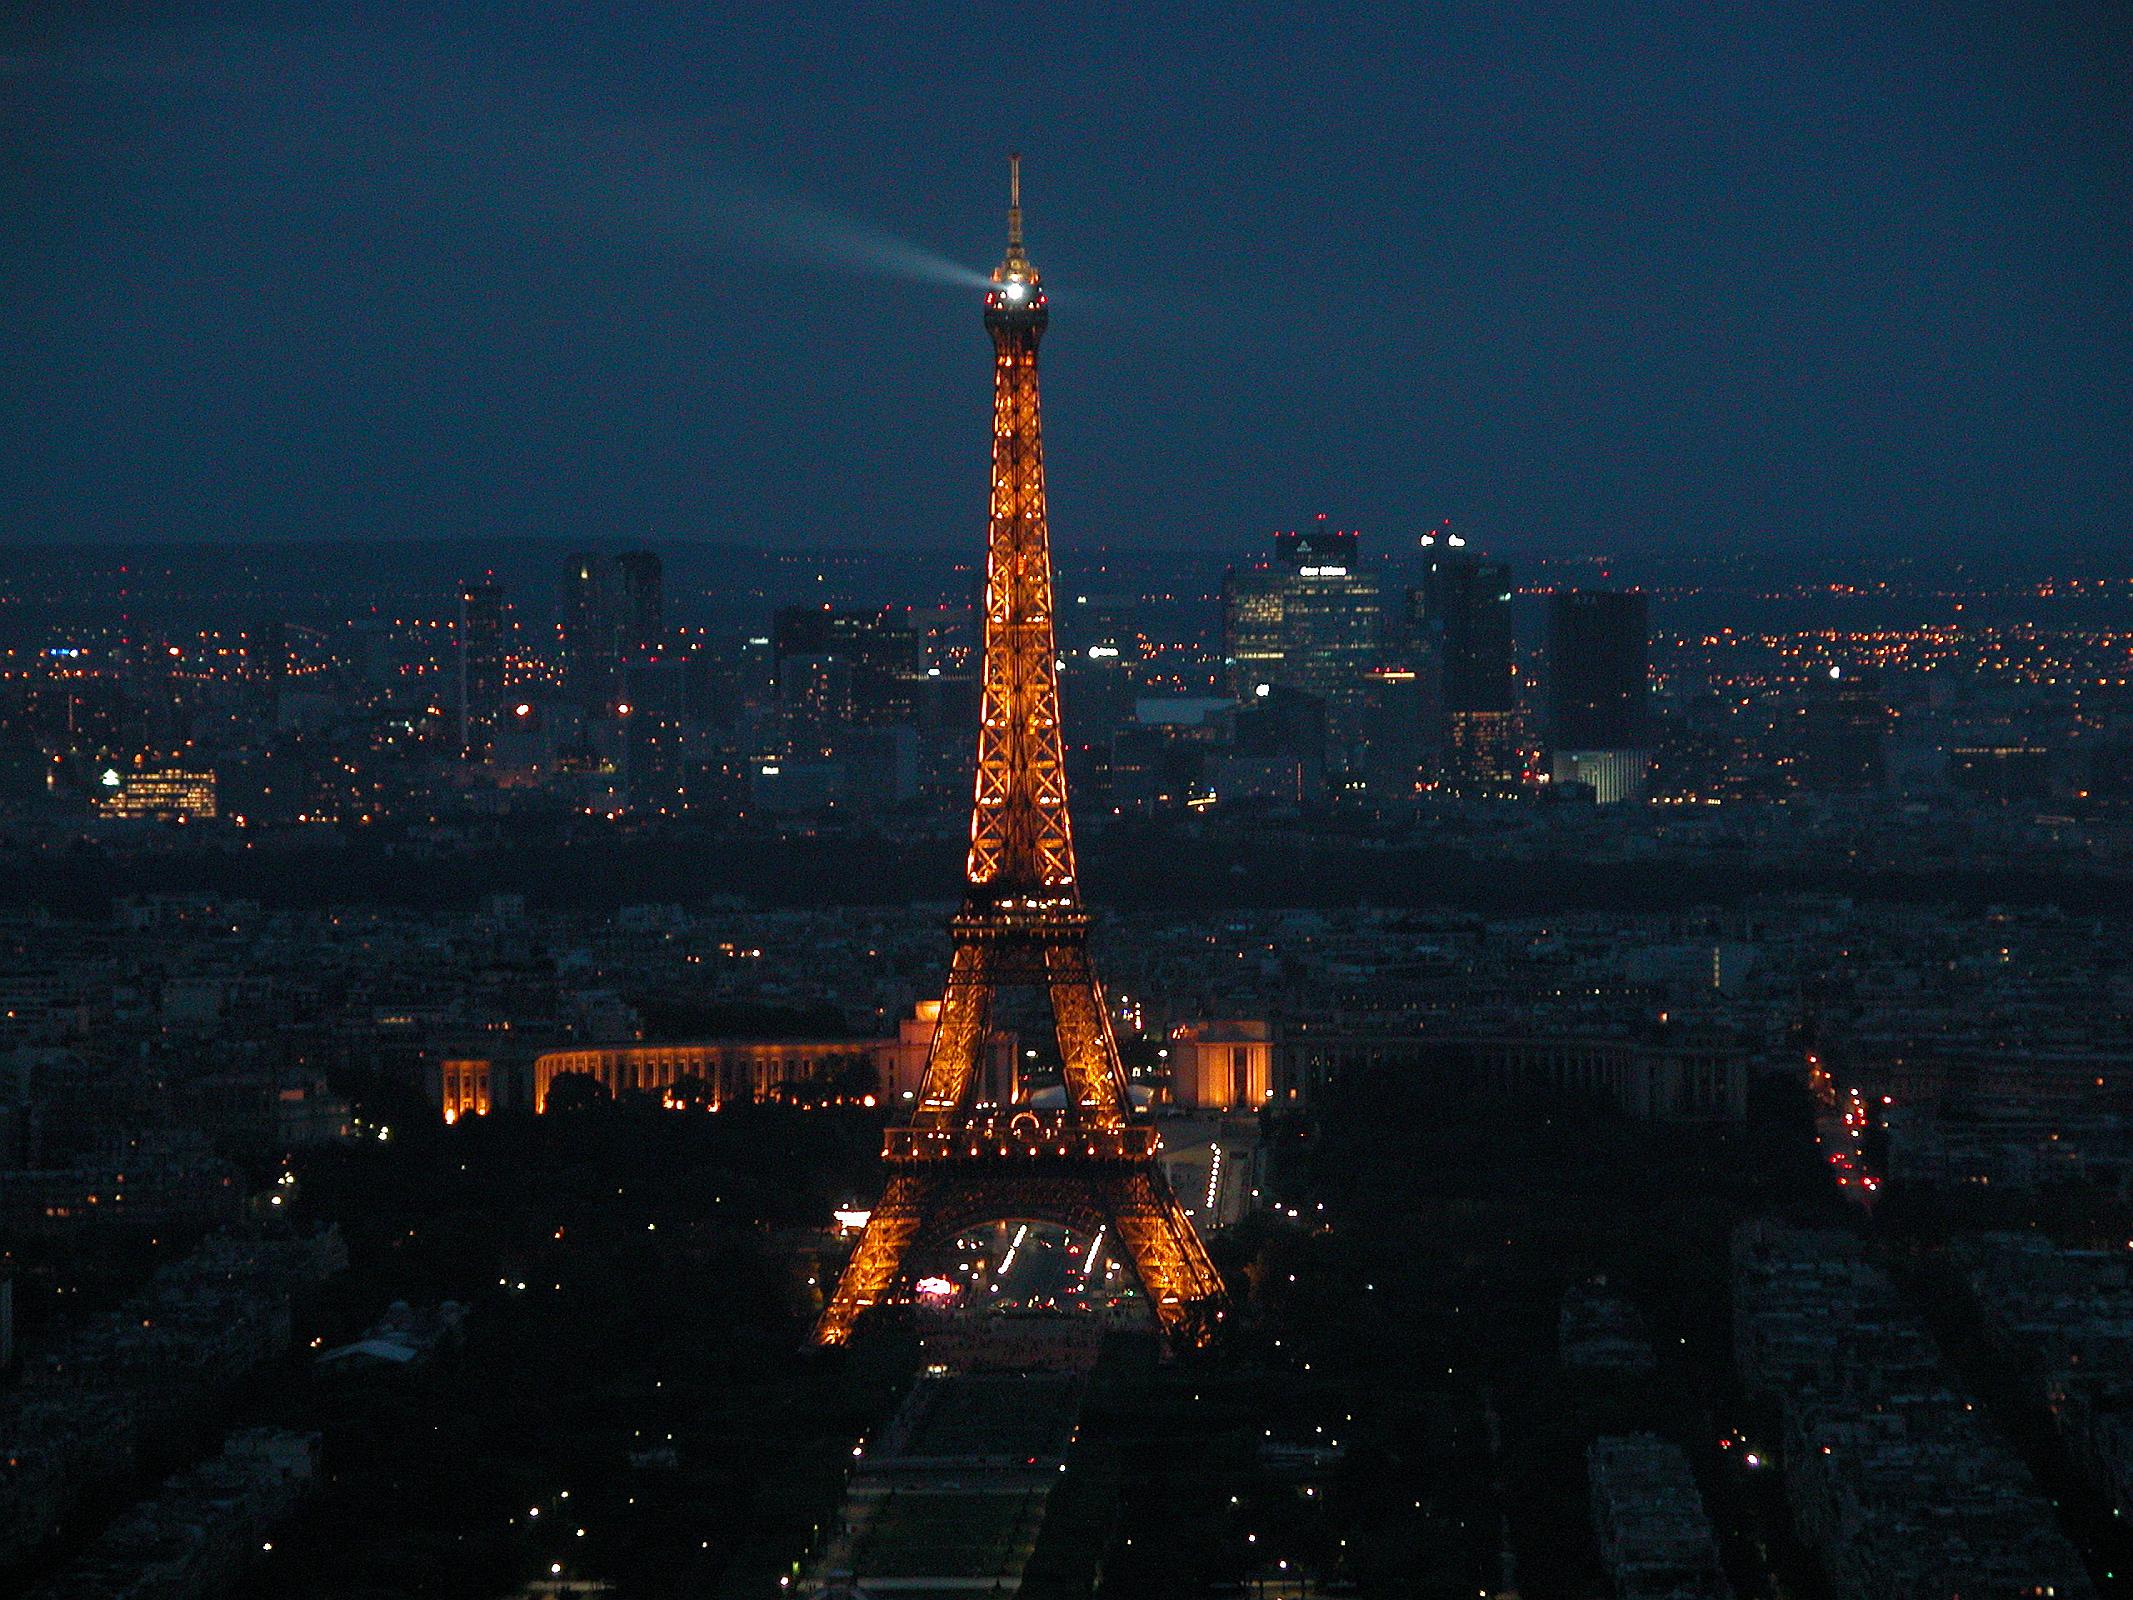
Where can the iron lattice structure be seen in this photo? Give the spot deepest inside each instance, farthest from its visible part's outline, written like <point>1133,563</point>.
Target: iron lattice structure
<point>1091,1164</point>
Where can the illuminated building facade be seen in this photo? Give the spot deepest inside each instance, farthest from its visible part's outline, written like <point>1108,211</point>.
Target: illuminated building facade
<point>466,1087</point>
<point>1609,776</point>
<point>155,794</point>
<point>900,1063</point>
<point>837,668</point>
<point>1221,1066</point>
<point>1310,621</point>
<point>1252,640</point>
<point>1216,1164</point>
<point>1092,1163</point>
<point>730,1070</point>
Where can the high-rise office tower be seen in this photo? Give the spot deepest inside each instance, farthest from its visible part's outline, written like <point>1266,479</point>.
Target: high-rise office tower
<point>1319,549</point>
<point>1401,723</point>
<point>1310,620</point>
<point>480,676</point>
<point>1844,726</point>
<point>637,599</point>
<point>1252,636</point>
<point>589,665</point>
<point>1100,643</point>
<point>847,667</point>
<point>613,611</point>
<point>1598,692</point>
<point>1463,617</point>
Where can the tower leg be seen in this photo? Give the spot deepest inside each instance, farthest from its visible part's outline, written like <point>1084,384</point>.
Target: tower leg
<point>1156,1237</point>
<point>1088,1054</point>
<point>890,1232</point>
<point>1173,1265</point>
<point>959,1039</point>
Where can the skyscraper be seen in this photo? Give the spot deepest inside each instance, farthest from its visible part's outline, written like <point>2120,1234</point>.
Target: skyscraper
<point>589,668</point>
<point>847,667</point>
<point>480,676</point>
<point>613,611</point>
<point>1252,636</point>
<point>1318,549</point>
<point>1100,642</point>
<point>1310,620</point>
<point>1598,691</point>
<point>1463,613</point>
<point>1844,724</point>
<point>637,598</point>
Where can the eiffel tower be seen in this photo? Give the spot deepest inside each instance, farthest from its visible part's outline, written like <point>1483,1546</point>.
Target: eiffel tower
<point>956,1164</point>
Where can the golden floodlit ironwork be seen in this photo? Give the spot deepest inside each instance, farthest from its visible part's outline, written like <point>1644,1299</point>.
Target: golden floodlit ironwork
<point>1091,1164</point>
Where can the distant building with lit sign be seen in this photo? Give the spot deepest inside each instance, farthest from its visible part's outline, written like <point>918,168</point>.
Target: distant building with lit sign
<point>1310,621</point>
<point>155,794</point>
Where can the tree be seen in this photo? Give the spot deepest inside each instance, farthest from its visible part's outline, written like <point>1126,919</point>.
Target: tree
<point>575,1091</point>
<point>693,1092</point>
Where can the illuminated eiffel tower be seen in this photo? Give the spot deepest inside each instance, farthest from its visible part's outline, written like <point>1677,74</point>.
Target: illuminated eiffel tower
<point>1091,1165</point>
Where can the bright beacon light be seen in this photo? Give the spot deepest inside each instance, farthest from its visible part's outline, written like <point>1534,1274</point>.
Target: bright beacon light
<point>1016,291</point>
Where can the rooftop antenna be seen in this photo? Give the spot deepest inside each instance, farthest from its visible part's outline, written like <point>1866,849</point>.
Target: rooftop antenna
<point>1014,201</point>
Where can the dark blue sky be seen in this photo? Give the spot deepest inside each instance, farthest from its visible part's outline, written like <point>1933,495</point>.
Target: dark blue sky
<point>1582,277</point>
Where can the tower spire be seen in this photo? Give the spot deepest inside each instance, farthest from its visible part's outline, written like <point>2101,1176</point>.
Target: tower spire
<point>1016,264</point>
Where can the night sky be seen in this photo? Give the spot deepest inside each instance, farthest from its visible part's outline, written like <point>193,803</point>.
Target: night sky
<point>1581,278</point>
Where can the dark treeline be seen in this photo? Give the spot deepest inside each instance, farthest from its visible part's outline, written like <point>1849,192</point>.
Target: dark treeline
<point>1130,870</point>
